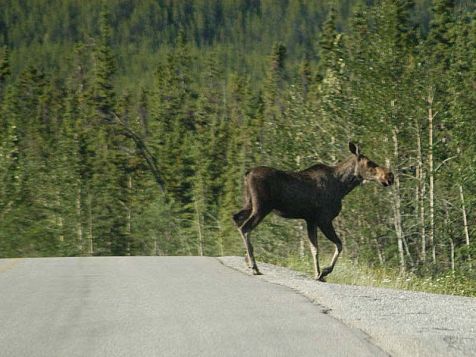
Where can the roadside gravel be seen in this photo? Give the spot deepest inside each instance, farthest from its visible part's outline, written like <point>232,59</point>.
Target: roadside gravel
<point>403,323</point>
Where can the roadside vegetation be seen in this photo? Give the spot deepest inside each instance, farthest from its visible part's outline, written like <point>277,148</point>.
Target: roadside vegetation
<point>352,272</point>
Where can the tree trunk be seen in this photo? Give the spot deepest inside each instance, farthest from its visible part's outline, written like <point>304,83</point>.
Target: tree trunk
<point>157,247</point>
<point>302,240</point>
<point>407,252</point>
<point>431,228</point>
<point>301,233</point>
<point>465,223</point>
<point>79,225</point>
<point>129,215</point>
<point>397,206</point>
<point>452,244</point>
<point>381,258</point>
<point>420,196</point>
<point>333,155</point>
<point>452,252</point>
<point>199,230</point>
<point>58,217</point>
<point>90,226</point>
<point>380,248</point>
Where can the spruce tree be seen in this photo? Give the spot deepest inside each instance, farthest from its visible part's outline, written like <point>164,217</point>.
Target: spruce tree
<point>108,184</point>
<point>440,39</point>
<point>4,69</point>
<point>273,98</point>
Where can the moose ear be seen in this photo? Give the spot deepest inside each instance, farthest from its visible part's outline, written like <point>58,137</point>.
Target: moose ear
<point>354,149</point>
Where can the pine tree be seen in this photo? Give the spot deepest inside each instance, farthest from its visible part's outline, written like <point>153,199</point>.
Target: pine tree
<point>10,171</point>
<point>4,69</point>
<point>108,185</point>
<point>173,111</point>
<point>273,95</point>
<point>461,139</point>
<point>105,68</point>
<point>440,38</point>
<point>326,43</point>
<point>242,153</point>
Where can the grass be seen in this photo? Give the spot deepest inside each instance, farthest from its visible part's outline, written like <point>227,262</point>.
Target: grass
<point>352,273</point>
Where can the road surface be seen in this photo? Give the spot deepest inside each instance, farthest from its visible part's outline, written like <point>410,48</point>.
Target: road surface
<point>160,306</point>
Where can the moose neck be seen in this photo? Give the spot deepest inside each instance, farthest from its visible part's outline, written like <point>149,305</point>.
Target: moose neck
<point>345,174</point>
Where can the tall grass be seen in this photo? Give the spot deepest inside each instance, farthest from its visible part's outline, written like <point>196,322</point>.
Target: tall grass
<point>350,272</point>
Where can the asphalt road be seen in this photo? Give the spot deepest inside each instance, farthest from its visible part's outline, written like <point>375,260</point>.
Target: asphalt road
<point>160,306</point>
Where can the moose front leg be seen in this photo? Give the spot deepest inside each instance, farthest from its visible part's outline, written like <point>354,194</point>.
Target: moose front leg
<point>312,234</point>
<point>330,234</point>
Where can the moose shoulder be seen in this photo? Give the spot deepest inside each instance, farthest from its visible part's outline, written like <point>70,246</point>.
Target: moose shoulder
<point>314,194</point>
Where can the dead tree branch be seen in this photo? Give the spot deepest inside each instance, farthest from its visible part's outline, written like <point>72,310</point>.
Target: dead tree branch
<point>144,152</point>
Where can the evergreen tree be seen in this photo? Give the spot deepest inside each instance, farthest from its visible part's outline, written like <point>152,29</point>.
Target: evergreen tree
<point>108,183</point>
<point>273,94</point>
<point>440,38</point>
<point>327,43</point>
<point>4,69</point>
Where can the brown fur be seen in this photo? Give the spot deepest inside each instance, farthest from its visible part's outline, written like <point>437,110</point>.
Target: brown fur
<point>314,194</point>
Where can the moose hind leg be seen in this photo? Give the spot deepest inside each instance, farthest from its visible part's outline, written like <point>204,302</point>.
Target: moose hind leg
<point>250,258</point>
<point>245,229</point>
<point>330,234</point>
<point>312,234</point>
<point>241,217</point>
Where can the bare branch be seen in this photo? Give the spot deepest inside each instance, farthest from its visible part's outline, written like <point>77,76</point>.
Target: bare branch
<point>144,151</point>
<point>445,161</point>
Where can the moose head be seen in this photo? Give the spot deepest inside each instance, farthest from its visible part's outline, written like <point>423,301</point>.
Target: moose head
<point>367,170</point>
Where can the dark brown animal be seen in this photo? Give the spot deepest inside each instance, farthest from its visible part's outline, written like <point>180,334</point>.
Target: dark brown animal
<point>314,194</point>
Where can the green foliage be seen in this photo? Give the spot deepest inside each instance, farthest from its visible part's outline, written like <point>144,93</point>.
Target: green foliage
<point>354,273</point>
<point>4,68</point>
<point>96,99</point>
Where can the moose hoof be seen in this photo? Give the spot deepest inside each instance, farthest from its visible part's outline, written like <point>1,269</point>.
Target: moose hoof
<point>256,272</point>
<point>317,277</point>
<point>321,278</point>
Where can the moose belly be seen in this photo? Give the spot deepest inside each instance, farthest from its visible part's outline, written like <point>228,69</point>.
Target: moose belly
<point>289,213</point>
<point>329,211</point>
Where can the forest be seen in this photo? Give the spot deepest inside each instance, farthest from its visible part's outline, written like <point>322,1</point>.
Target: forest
<point>126,129</point>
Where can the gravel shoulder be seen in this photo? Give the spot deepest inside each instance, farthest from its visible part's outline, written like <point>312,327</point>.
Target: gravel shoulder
<point>403,323</point>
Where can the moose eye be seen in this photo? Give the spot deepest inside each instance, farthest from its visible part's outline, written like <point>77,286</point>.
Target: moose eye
<point>371,165</point>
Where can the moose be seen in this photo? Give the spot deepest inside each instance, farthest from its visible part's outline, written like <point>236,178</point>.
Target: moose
<point>314,195</point>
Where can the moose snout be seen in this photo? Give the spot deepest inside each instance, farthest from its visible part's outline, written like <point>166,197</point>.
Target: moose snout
<point>389,179</point>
